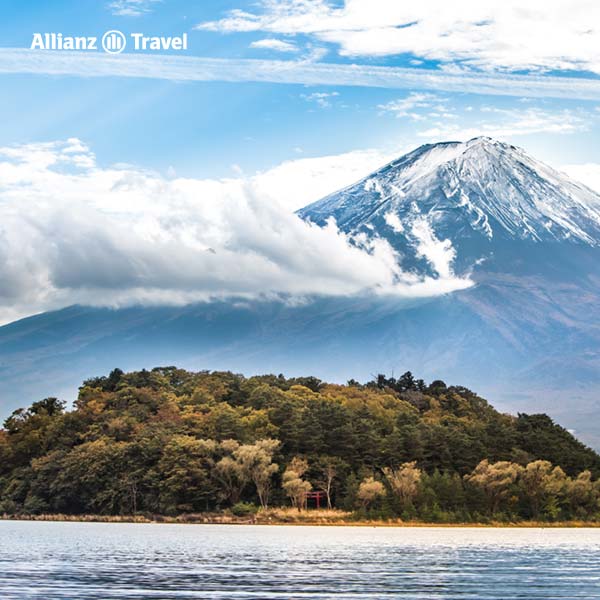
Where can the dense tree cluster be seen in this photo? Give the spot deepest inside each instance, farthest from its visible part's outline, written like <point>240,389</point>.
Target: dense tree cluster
<point>169,441</point>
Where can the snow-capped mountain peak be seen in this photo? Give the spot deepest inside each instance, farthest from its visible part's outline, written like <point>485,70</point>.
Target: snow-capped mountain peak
<point>482,188</point>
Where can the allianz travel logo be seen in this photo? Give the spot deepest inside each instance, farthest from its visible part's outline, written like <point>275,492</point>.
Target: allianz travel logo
<point>112,42</point>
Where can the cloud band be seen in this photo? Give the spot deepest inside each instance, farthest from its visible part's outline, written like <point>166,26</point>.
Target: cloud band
<point>191,68</point>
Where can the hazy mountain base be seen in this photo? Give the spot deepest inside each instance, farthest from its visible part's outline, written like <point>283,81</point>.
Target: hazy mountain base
<point>528,341</point>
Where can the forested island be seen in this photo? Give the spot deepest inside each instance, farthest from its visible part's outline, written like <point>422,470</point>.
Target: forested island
<point>170,442</point>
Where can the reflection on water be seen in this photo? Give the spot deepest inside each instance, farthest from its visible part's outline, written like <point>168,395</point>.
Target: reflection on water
<point>105,561</point>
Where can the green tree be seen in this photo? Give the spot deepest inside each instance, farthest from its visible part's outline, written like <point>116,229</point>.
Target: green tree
<point>185,472</point>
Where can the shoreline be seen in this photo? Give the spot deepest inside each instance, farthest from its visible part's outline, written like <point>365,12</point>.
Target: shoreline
<point>300,520</point>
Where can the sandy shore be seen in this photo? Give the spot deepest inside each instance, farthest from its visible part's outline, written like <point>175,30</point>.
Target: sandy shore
<point>286,517</point>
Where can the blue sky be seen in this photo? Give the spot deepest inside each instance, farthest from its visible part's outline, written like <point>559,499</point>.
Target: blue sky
<point>212,129</point>
<point>120,175</point>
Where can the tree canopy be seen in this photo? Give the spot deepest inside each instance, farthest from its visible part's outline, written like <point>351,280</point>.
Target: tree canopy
<point>170,441</point>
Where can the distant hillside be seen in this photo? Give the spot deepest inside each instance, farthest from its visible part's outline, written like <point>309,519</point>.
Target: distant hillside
<point>170,441</point>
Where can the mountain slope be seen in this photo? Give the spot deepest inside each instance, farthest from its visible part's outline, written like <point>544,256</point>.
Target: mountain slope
<point>527,235</point>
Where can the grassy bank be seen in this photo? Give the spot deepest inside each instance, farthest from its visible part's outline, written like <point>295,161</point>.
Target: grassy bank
<point>287,516</point>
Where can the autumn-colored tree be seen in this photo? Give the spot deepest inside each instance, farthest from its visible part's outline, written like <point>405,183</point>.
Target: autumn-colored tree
<point>583,495</point>
<point>294,486</point>
<point>256,461</point>
<point>495,479</point>
<point>539,481</point>
<point>369,491</point>
<point>404,481</point>
<point>230,473</point>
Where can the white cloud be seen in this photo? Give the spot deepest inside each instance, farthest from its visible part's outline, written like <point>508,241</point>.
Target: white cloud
<point>72,231</point>
<point>501,34</point>
<point>304,71</point>
<point>411,106</point>
<point>323,99</point>
<point>588,174</point>
<point>296,183</point>
<point>508,123</point>
<point>131,8</point>
<point>274,44</point>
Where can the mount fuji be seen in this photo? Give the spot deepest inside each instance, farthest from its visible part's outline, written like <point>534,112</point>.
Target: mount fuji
<point>525,334</point>
<point>461,202</point>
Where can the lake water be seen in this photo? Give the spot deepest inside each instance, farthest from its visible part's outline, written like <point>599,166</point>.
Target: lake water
<point>108,560</point>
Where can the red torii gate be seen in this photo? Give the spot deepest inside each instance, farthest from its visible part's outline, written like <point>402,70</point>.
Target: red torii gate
<point>317,496</point>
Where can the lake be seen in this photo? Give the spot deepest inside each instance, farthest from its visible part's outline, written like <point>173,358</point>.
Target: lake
<point>49,560</point>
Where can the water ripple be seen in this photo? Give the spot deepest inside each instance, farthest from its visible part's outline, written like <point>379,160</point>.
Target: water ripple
<point>51,561</point>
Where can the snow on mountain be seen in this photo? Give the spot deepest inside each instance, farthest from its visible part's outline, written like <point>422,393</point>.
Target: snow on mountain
<point>431,200</point>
